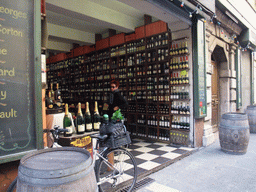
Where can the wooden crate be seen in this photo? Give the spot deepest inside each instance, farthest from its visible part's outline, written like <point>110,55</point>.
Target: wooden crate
<point>140,32</point>
<point>102,44</point>
<point>117,39</point>
<point>130,37</point>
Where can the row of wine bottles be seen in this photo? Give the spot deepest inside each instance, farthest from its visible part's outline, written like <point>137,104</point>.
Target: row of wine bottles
<point>179,92</point>
<point>160,40</point>
<point>151,108</point>
<point>54,99</point>
<point>178,49</point>
<point>164,134</point>
<point>181,107</point>
<point>178,78</point>
<point>86,123</point>
<point>180,122</point>
<point>152,120</point>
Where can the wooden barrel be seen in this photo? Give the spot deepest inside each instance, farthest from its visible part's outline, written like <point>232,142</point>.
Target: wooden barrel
<point>251,112</point>
<point>234,133</point>
<point>57,169</point>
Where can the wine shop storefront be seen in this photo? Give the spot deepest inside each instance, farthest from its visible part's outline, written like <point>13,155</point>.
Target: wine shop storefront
<point>150,51</point>
<point>156,49</point>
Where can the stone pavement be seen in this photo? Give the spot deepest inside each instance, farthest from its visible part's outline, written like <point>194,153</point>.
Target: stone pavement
<point>208,170</point>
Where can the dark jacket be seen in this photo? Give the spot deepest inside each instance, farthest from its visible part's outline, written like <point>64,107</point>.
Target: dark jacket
<point>116,99</point>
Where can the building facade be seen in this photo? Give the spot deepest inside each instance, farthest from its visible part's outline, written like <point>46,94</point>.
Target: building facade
<point>221,36</point>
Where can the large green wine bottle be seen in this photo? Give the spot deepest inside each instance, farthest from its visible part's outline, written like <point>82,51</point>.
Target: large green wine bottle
<point>88,118</point>
<point>67,123</point>
<point>80,127</point>
<point>96,118</point>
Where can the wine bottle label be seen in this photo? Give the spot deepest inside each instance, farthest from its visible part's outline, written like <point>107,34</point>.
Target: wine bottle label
<point>50,106</point>
<point>96,126</point>
<point>58,104</point>
<point>89,127</point>
<point>70,130</point>
<point>81,128</point>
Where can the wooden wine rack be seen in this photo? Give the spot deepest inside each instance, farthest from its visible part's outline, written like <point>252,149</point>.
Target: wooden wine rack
<point>148,80</point>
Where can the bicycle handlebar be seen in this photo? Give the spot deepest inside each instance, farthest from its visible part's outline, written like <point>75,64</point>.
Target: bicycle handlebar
<point>55,131</point>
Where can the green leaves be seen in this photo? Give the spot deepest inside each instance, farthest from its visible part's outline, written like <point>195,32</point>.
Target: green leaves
<point>117,115</point>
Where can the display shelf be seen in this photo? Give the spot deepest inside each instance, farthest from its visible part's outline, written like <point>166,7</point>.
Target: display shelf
<point>153,75</point>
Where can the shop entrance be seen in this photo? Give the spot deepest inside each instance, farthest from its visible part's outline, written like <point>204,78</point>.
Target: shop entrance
<point>215,96</point>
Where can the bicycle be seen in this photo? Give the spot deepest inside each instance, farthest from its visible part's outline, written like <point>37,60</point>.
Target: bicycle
<point>115,168</point>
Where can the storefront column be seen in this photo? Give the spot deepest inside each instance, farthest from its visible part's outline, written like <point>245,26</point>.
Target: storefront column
<point>232,50</point>
<point>208,137</point>
<point>225,76</point>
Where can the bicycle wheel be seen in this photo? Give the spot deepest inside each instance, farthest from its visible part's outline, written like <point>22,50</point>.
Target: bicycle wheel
<point>116,171</point>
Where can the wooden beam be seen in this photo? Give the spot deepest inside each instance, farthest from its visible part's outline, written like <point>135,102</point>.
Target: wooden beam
<point>98,37</point>
<point>70,34</point>
<point>147,19</point>
<point>75,45</point>
<point>111,32</point>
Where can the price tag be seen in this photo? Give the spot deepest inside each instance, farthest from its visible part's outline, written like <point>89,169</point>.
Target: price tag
<point>183,73</point>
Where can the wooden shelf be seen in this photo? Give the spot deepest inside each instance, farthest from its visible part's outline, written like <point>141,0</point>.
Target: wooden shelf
<point>101,63</point>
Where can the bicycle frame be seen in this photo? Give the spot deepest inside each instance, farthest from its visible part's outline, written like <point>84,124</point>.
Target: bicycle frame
<point>100,155</point>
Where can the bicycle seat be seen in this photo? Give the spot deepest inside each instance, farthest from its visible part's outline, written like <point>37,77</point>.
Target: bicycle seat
<point>100,137</point>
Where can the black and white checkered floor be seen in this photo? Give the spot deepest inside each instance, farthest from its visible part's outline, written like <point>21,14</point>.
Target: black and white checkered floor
<point>151,156</point>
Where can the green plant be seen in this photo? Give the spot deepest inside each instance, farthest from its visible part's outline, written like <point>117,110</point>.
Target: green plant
<point>117,115</point>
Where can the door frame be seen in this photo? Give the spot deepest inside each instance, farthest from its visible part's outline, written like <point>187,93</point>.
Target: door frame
<point>215,126</point>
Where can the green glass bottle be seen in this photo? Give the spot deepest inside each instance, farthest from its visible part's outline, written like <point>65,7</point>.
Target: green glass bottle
<point>67,123</point>
<point>57,97</point>
<point>49,101</point>
<point>88,118</point>
<point>52,91</point>
<point>96,118</point>
<point>80,126</point>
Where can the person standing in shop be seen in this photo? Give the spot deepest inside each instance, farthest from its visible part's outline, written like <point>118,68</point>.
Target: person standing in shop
<point>116,100</point>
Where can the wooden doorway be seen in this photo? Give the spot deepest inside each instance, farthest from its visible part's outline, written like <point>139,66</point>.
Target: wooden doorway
<point>215,96</point>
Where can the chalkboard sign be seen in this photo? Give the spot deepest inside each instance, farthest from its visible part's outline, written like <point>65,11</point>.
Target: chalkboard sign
<point>199,67</point>
<point>18,75</point>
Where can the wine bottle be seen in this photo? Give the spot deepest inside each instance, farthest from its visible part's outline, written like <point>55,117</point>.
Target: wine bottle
<point>49,101</point>
<point>176,63</point>
<point>186,47</point>
<point>80,126</point>
<point>96,118</point>
<point>67,123</point>
<point>88,118</point>
<point>180,49</point>
<point>183,48</point>
<point>51,90</point>
<point>57,96</point>
<point>177,49</point>
<point>187,108</point>
<point>181,63</point>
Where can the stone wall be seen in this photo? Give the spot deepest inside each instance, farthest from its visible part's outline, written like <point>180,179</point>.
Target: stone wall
<point>220,43</point>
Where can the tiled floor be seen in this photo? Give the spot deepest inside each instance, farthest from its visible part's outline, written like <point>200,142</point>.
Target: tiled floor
<point>151,156</point>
